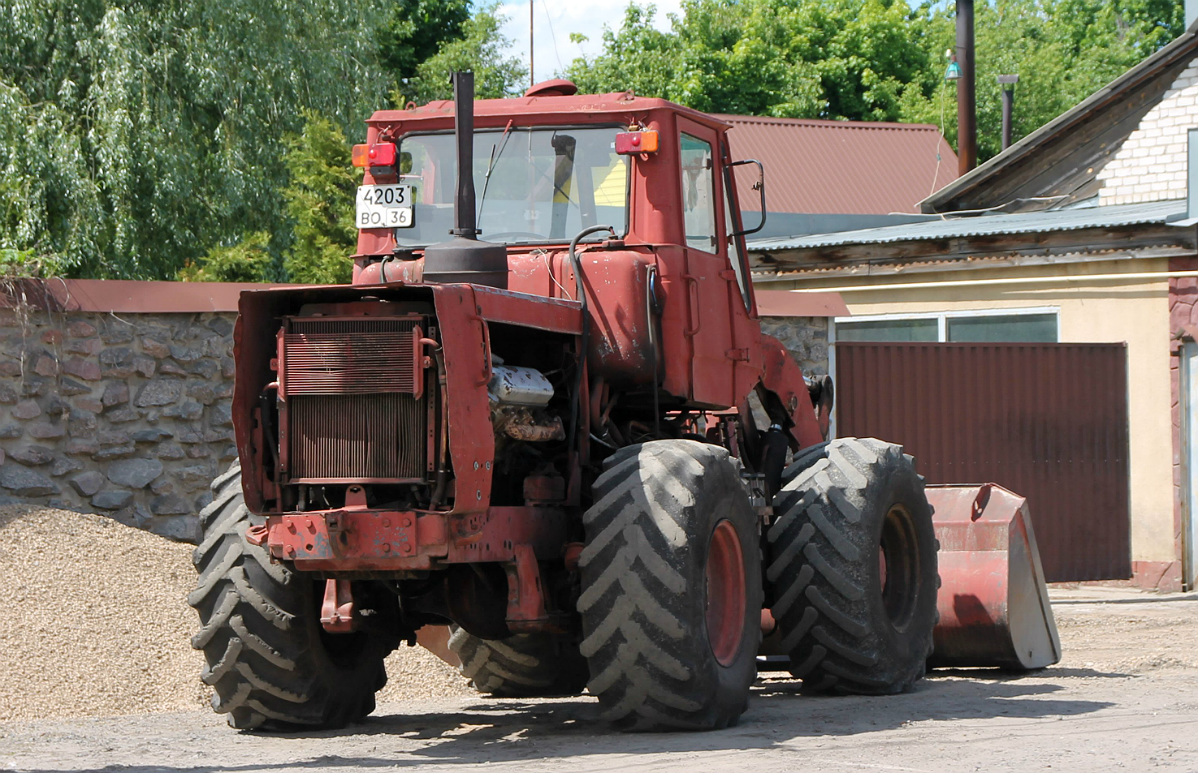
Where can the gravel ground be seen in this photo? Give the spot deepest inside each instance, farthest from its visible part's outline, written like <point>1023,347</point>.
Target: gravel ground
<point>97,623</point>
<point>97,674</point>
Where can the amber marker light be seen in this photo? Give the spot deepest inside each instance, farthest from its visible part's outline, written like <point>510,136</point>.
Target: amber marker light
<point>377,155</point>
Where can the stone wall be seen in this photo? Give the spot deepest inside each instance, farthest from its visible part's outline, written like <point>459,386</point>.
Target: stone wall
<point>1151,165</point>
<point>127,412</point>
<point>806,338</point>
<point>118,414</point>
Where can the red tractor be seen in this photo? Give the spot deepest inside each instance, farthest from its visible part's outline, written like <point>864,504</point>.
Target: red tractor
<point>569,441</point>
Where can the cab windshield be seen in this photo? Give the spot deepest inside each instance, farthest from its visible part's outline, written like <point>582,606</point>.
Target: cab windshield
<point>532,184</point>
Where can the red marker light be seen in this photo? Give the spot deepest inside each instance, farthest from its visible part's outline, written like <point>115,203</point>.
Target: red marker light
<point>382,154</point>
<point>630,143</point>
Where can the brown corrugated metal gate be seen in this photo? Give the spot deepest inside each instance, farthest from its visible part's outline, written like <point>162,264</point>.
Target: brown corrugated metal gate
<point>1047,421</point>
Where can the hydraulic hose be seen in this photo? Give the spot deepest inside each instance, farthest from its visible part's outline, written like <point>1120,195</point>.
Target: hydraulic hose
<point>581,297</point>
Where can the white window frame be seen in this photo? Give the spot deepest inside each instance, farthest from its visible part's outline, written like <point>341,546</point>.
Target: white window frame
<point>941,316</point>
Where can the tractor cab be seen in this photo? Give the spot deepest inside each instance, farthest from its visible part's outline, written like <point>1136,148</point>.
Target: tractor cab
<point>547,168</point>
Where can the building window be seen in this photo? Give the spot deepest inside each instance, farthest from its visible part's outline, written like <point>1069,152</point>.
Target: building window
<point>904,330</point>
<point>1035,325</point>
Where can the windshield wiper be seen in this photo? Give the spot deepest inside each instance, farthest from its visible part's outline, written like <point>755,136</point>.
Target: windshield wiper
<point>487,176</point>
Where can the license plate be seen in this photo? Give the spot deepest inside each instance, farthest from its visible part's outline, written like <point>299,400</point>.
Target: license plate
<point>388,206</point>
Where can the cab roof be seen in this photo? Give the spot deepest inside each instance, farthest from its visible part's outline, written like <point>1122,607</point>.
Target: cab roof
<point>613,108</point>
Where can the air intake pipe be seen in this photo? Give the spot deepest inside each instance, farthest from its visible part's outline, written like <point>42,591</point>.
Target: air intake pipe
<point>465,259</point>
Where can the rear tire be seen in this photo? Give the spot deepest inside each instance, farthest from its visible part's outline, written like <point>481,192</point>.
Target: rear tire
<point>526,665</point>
<point>269,661</point>
<point>671,588</point>
<point>853,569</point>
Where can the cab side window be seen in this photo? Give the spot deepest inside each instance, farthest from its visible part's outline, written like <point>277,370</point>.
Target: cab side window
<point>699,211</point>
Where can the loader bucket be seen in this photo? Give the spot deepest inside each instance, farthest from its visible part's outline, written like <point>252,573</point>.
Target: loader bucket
<point>435,638</point>
<point>993,606</point>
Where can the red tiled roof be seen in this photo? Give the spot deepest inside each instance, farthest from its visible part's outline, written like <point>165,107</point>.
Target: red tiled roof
<point>840,166</point>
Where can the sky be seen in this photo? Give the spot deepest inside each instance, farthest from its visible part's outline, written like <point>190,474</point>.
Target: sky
<point>555,20</point>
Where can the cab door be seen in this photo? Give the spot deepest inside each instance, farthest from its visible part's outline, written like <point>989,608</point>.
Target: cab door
<point>743,310</point>
<point>709,274</point>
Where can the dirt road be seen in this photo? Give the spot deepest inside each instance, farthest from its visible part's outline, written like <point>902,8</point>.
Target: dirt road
<point>1124,698</point>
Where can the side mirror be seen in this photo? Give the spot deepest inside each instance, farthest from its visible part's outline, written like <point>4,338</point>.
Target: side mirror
<point>762,195</point>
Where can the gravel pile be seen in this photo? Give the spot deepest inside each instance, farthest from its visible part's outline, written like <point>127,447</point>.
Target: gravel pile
<point>96,623</point>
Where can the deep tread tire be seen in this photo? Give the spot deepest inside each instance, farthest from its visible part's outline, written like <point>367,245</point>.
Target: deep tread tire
<point>658,511</point>
<point>269,662</point>
<point>526,665</point>
<point>843,631</point>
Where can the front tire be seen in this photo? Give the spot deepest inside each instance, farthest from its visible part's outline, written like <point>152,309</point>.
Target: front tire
<point>853,569</point>
<point>269,661</point>
<point>671,588</point>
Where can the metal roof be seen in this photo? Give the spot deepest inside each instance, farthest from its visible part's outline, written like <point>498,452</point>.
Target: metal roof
<point>988,225</point>
<point>840,166</point>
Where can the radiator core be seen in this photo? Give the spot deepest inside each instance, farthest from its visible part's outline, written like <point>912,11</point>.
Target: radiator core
<point>353,405</point>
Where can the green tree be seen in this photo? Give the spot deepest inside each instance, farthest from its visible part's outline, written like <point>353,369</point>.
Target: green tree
<point>823,59</point>
<point>415,30</point>
<point>1063,51</point>
<point>249,261</point>
<point>876,60</point>
<point>138,134</point>
<point>320,201</point>
<point>636,57</point>
<point>480,50</point>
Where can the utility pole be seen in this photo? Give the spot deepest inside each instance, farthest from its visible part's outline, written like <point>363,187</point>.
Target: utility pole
<point>531,43</point>
<point>964,51</point>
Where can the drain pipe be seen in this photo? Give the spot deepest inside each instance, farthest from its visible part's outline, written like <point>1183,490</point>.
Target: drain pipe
<point>1000,281</point>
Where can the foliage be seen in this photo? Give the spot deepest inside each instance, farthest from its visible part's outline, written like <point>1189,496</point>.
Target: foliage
<point>1063,51</point>
<point>320,201</point>
<point>18,263</point>
<point>415,30</point>
<point>823,59</point>
<point>249,261</point>
<point>637,57</point>
<point>481,50</point>
<point>876,60</point>
<point>137,134</point>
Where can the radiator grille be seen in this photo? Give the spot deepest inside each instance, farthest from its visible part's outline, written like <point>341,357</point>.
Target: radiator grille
<point>354,409</point>
<point>344,357</point>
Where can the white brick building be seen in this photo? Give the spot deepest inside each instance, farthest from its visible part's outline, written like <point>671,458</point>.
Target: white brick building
<point>1151,165</point>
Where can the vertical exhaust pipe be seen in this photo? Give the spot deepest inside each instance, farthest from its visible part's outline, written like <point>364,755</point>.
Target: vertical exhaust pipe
<point>964,15</point>
<point>464,143</point>
<point>465,259</point>
<point>1006,108</point>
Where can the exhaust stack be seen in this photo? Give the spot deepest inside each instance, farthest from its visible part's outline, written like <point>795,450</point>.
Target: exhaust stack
<point>465,259</point>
